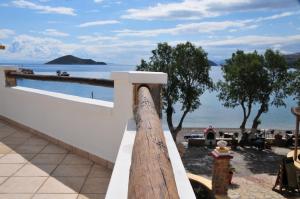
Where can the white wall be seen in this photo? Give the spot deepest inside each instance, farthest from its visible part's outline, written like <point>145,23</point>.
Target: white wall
<point>92,125</point>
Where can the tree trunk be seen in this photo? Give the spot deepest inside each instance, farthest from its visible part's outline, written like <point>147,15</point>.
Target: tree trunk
<point>175,131</point>
<point>169,112</point>
<point>246,114</point>
<point>256,119</point>
<point>242,127</point>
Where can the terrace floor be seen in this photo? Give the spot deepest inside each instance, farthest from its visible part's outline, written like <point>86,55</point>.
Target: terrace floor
<point>33,168</point>
<point>255,171</point>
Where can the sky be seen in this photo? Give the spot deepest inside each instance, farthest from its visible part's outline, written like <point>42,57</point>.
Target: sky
<point>124,32</point>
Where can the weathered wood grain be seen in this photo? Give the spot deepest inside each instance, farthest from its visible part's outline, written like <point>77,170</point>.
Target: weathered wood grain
<point>151,173</point>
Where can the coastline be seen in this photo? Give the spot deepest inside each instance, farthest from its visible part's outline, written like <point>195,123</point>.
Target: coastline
<point>194,130</point>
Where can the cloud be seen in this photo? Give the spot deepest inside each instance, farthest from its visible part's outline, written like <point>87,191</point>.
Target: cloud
<point>203,27</point>
<point>98,1</point>
<point>39,49</point>
<point>253,40</point>
<point>5,33</point>
<point>197,9</point>
<point>98,23</point>
<point>95,38</point>
<point>44,8</point>
<point>25,46</point>
<point>54,33</point>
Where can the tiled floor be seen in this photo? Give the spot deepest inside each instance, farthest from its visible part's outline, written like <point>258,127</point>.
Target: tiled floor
<point>33,168</point>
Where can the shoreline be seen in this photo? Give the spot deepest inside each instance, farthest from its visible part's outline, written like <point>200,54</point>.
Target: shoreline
<point>194,130</point>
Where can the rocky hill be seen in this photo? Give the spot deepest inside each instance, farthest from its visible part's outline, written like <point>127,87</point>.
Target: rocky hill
<point>70,59</point>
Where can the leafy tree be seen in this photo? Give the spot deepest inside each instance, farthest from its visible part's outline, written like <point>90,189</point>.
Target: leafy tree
<point>188,77</point>
<point>274,82</point>
<point>241,75</point>
<point>294,87</point>
<point>254,79</point>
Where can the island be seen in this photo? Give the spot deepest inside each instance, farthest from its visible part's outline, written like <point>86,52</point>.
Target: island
<point>292,59</point>
<point>70,60</point>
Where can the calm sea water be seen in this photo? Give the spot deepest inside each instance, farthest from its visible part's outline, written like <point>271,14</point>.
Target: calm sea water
<point>211,112</point>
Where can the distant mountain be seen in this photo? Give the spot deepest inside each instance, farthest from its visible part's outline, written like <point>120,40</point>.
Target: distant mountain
<point>70,59</point>
<point>291,59</point>
<point>211,63</point>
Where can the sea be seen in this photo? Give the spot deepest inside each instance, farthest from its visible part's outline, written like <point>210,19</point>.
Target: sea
<point>211,112</point>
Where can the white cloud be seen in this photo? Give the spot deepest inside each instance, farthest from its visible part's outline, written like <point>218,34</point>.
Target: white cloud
<point>98,1</point>
<point>95,38</point>
<point>29,47</point>
<point>54,33</point>
<point>196,9</point>
<point>98,23</point>
<point>253,40</point>
<point>44,8</point>
<point>203,27</point>
<point>5,33</point>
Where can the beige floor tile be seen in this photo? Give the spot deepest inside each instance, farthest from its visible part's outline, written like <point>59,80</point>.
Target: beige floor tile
<point>15,196</point>
<point>22,184</point>
<point>4,149</point>
<point>4,134</point>
<point>55,196</point>
<point>75,159</point>
<point>95,185</point>
<point>15,158</point>
<point>9,169</point>
<point>35,170</point>
<point>98,171</point>
<point>13,140</point>
<point>62,185</point>
<point>91,196</point>
<point>72,170</point>
<point>25,148</point>
<point>2,179</point>
<point>52,148</point>
<point>21,134</point>
<point>48,158</point>
<point>7,129</point>
<point>37,141</point>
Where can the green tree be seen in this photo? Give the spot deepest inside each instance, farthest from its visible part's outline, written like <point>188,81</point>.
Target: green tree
<point>274,80</point>
<point>188,77</point>
<point>294,87</point>
<point>250,78</point>
<point>241,75</point>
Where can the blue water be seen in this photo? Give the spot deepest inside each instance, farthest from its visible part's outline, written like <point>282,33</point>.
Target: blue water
<point>211,112</point>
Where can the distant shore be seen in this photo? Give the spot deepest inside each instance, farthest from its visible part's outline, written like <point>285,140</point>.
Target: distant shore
<point>189,131</point>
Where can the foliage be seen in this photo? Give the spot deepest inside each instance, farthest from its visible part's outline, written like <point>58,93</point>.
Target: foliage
<point>241,78</point>
<point>188,77</point>
<point>250,78</point>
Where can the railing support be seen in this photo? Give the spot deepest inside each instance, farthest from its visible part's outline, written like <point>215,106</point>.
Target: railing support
<point>151,173</point>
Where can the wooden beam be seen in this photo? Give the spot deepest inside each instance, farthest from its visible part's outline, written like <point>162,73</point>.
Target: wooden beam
<point>80,80</point>
<point>151,173</point>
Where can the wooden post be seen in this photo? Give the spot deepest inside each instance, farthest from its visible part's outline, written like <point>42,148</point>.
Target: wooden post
<point>155,90</point>
<point>296,112</point>
<point>296,139</point>
<point>10,81</point>
<point>151,173</point>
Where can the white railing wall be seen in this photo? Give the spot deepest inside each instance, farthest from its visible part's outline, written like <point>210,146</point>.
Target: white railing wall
<point>92,125</point>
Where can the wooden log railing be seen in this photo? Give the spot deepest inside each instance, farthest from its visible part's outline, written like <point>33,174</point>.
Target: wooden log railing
<point>151,173</point>
<point>13,75</point>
